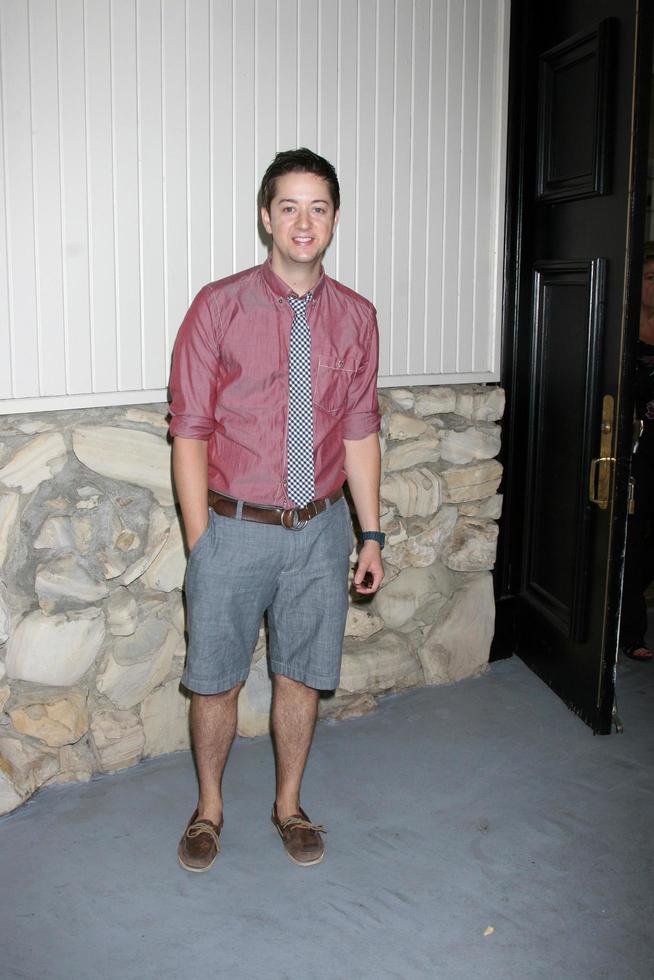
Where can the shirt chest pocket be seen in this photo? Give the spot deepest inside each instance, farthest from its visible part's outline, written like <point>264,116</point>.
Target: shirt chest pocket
<point>334,376</point>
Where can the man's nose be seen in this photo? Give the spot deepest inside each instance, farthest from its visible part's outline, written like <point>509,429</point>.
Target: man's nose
<point>304,218</point>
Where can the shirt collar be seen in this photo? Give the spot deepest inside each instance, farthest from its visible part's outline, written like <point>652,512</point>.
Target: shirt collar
<point>279,288</point>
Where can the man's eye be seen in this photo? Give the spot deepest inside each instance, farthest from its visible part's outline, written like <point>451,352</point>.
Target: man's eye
<point>319,210</point>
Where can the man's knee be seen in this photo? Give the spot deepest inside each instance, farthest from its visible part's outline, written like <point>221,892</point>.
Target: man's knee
<point>285,684</point>
<point>222,696</point>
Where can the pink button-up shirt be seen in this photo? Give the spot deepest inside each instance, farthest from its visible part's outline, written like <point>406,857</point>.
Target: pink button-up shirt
<point>229,381</point>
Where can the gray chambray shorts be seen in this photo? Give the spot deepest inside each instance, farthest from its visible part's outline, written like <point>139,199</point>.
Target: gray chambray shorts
<point>238,570</point>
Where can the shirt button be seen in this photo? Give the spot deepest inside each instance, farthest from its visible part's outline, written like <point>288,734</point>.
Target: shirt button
<point>339,363</point>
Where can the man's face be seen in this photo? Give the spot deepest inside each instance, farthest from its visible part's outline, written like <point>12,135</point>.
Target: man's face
<point>647,295</point>
<point>301,221</point>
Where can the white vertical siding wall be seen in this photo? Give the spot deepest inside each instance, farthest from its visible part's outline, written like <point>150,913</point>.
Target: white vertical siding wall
<point>134,134</point>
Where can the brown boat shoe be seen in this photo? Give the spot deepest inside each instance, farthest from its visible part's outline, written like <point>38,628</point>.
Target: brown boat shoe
<point>301,837</point>
<point>200,844</point>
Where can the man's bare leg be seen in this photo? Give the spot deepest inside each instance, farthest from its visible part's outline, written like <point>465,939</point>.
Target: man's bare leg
<point>213,727</point>
<point>293,717</point>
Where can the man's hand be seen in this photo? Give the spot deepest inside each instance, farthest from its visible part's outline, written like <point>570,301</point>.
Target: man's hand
<point>370,567</point>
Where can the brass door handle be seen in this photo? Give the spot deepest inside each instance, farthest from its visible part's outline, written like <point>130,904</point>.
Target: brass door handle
<point>600,481</point>
<point>601,468</point>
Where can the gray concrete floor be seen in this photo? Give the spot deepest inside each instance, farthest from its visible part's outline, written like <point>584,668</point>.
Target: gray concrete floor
<point>450,810</point>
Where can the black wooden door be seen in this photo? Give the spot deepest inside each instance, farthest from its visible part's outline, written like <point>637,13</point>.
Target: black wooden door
<point>577,164</point>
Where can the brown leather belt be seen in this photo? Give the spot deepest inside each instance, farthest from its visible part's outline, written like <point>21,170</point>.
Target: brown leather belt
<point>294,518</point>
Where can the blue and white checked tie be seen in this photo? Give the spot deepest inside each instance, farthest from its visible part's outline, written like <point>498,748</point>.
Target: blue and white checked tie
<point>301,484</point>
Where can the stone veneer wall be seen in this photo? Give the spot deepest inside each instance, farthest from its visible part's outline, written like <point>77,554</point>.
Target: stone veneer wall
<point>92,563</point>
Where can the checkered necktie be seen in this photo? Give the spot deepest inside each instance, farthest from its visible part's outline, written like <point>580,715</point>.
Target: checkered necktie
<point>301,487</point>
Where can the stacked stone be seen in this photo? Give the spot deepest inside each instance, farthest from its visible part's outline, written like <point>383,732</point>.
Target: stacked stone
<point>91,575</point>
<point>432,621</point>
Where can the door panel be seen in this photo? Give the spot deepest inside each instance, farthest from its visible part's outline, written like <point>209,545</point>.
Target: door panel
<point>567,337</point>
<point>573,242</point>
<point>574,96</point>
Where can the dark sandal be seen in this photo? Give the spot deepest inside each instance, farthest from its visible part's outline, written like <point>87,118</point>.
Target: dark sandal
<point>639,652</point>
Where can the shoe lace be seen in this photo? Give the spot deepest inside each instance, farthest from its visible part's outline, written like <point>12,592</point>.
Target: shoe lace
<point>292,823</point>
<point>202,827</point>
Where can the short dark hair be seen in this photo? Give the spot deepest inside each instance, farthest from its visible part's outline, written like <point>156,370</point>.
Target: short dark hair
<point>301,160</point>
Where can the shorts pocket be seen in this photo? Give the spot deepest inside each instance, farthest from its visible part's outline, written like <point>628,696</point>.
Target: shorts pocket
<point>333,378</point>
<point>206,534</point>
<point>350,539</point>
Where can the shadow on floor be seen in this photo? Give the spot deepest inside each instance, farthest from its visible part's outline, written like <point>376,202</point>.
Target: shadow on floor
<point>474,831</point>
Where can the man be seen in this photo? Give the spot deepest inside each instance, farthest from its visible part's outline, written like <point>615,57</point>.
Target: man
<point>639,556</point>
<point>273,406</point>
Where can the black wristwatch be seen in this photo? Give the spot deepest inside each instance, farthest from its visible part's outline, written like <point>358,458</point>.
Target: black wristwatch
<point>377,536</point>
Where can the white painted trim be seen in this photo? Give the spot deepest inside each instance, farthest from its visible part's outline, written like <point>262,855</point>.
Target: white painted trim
<point>407,380</point>
<point>55,403</point>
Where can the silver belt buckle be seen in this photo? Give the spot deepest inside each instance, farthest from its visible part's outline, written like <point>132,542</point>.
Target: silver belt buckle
<point>296,524</point>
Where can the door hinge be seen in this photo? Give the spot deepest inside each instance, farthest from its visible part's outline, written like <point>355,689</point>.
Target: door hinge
<point>601,468</point>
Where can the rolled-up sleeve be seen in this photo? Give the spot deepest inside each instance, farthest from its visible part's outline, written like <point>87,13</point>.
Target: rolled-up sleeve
<point>362,412</point>
<point>194,371</point>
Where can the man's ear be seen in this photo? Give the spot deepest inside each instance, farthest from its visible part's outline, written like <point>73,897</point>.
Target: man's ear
<point>337,215</point>
<point>265,220</point>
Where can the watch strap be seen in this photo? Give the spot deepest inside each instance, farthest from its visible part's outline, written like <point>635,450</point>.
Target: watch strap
<point>377,536</point>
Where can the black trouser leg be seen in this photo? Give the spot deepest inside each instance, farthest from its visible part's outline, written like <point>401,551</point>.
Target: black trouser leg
<point>639,558</point>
